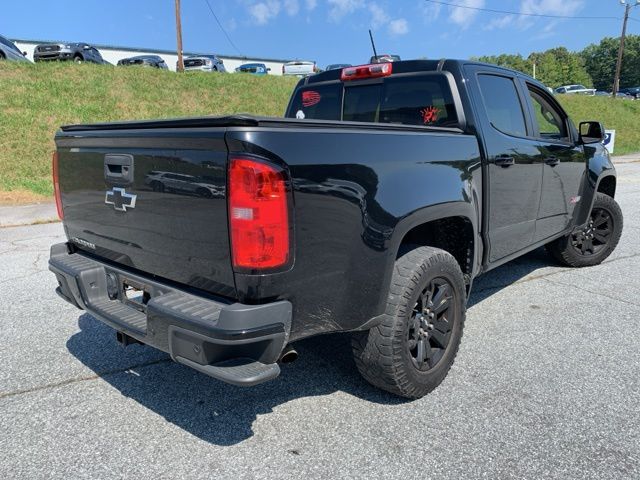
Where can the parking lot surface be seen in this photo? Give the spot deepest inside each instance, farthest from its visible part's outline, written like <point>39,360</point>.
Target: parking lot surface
<point>546,385</point>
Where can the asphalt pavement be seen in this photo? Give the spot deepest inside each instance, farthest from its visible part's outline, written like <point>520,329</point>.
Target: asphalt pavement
<point>546,385</point>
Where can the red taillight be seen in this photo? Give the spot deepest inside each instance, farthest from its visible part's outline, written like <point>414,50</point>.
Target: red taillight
<point>366,71</point>
<point>56,186</point>
<point>258,214</point>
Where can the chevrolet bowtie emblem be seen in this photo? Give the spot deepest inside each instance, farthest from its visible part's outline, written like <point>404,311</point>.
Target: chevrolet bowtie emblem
<point>120,199</point>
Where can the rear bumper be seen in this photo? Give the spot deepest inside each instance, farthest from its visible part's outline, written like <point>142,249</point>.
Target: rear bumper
<point>235,343</point>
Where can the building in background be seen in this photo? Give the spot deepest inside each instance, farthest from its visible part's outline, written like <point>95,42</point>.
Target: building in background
<point>112,54</point>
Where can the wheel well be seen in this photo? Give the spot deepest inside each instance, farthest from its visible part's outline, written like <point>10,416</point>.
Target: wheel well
<point>608,186</point>
<point>78,55</point>
<point>452,234</point>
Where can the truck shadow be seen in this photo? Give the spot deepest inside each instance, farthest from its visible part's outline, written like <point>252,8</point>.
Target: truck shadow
<point>223,414</point>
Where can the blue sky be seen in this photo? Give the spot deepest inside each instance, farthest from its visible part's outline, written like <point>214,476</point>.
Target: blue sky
<point>328,31</point>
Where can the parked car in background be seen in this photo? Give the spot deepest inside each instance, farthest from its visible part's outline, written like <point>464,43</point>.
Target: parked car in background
<point>336,66</point>
<point>575,89</point>
<point>633,91</point>
<point>384,58</point>
<point>183,183</point>
<point>602,93</point>
<point>253,68</point>
<point>77,52</point>
<point>8,51</point>
<point>299,68</point>
<point>145,61</point>
<point>204,63</point>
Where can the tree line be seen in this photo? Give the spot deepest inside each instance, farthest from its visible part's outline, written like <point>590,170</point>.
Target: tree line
<point>593,67</point>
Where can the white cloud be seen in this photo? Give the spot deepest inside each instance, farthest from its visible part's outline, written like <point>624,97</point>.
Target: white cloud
<point>430,11</point>
<point>340,8</point>
<point>551,7</point>
<point>291,7</point>
<point>311,4</point>
<point>262,12</point>
<point>500,22</point>
<point>463,17</point>
<point>398,27</point>
<point>378,16</point>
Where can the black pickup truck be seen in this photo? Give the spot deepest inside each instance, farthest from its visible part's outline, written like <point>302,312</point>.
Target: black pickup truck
<point>369,209</point>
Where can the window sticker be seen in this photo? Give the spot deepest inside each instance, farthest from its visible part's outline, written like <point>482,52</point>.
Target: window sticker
<point>300,115</point>
<point>429,115</point>
<point>310,98</point>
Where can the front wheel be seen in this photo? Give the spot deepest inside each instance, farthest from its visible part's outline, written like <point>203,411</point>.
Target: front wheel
<point>412,350</point>
<point>595,241</point>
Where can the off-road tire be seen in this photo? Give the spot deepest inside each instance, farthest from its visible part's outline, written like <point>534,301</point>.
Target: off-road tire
<point>383,354</point>
<point>566,253</point>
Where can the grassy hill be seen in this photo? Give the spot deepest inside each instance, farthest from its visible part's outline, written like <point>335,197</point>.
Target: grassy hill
<point>36,99</point>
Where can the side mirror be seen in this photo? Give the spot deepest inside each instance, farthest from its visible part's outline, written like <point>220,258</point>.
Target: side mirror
<point>591,132</point>
<point>24,54</point>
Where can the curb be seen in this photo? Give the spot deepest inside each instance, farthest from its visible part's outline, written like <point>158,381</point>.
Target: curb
<point>30,214</point>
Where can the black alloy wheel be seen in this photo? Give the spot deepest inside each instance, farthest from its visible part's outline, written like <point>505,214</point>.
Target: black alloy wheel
<point>596,235</point>
<point>430,324</point>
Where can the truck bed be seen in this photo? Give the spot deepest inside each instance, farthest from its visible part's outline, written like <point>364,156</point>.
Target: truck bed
<point>352,184</point>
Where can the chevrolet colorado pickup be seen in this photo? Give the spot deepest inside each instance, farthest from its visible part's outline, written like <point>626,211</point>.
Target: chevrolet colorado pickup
<point>369,209</point>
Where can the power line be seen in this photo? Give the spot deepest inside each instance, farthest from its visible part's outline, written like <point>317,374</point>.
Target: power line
<point>222,28</point>
<point>506,12</point>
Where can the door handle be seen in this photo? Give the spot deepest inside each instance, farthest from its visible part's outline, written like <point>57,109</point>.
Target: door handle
<point>504,161</point>
<point>552,161</point>
<point>118,168</point>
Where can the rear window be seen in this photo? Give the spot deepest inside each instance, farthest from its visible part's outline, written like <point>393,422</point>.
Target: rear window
<point>321,102</point>
<point>406,100</point>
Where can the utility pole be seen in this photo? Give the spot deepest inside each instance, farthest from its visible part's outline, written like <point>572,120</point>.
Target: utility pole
<point>179,35</point>
<point>616,78</point>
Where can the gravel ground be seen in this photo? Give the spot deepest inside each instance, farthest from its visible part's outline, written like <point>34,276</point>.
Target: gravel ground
<point>546,385</point>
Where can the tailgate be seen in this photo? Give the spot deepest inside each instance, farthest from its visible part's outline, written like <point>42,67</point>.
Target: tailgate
<point>152,199</point>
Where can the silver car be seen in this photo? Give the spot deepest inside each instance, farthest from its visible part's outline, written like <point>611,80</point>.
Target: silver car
<point>576,90</point>
<point>182,183</point>
<point>8,51</point>
<point>204,63</point>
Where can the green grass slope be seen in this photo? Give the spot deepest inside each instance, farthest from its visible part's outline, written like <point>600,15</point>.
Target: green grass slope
<point>623,116</point>
<point>36,99</point>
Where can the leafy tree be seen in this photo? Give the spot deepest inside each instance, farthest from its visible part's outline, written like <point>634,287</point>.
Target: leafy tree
<point>558,66</point>
<point>515,62</point>
<point>600,60</point>
<point>554,67</point>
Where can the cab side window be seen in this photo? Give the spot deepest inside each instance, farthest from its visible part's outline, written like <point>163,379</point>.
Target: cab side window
<point>550,122</point>
<point>502,104</point>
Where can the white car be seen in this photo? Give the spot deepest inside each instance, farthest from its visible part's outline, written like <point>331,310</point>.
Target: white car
<point>577,89</point>
<point>299,68</point>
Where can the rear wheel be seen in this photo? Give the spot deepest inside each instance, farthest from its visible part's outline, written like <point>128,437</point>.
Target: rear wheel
<point>412,350</point>
<point>596,240</point>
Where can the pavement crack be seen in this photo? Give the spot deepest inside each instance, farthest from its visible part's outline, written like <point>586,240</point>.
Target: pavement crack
<point>543,276</point>
<point>71,381</point>
<point>593,292</point>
